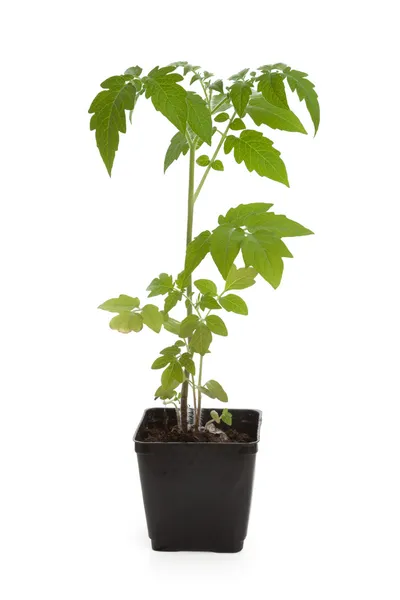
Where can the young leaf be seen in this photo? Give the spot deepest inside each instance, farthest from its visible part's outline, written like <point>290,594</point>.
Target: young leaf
<point>221,118</point>
<point>199,117</point>
<point>188,363</point>
<point>262,112</point>
<point>216,325</point>
<point>217,165</point>
<point>171,350</point>
<point>195,77</point>
<point>160,285</point>
<point>203,160</point>
<point>201,339</point>
<point>196,251</point>
<point>109,118</point>
<point>152,317</point>
<point>163,393</point>
<point>240,93</point>
<point>172,325</point>
<point>226,417</point>
<point>126,322</point>
<point>134,71</point>
<point>161,362</point>
<point>239,75</point>
<point>263,258</point>
<point>229,143</point>
<point>237,125</point>
<point>239,279</point>
<point>233,303</point>
<point>216,390</point>
<point>208,301</point>
<point>178,146</point>
<point>172,376</point>
<point>172,300</point>
<point>259,155</point>
<point>121,304</point>
<point>236,216</point>
<point>273,89</point>
<point>188,325</point>
<point>305,90</point>
<point>167,96</point>
<point>225,246</point>
<point>277,225</point>
<point>215,416</point>
<point>218,86</point>
<point>206,286</point>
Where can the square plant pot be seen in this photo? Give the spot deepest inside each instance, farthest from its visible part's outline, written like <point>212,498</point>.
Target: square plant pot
<point>197,495</point>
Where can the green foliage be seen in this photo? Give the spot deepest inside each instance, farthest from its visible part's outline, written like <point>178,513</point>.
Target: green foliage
<point>206,286</point>
<point>240,94</point>
<point>199,117</point>
<point>178,146</point>
<point>221,118</point>
<point>276,117</point>
<point>216,325</point>
<point>237,125</point>
<point>188,325</point>
<point>213,390</point>
<point>187,363</point>
<point>272,87</point>
<point>305,91</point>
<point>201,340</point>
<point>160,285</point>
<point>217,165</point>
<point>167,95</point>
<point>121,304</point>
<point>196,251</point>
<point>233,303</point>
<point>203,160</point>
<point>239,279</point>
<point>225,246</point>
<point>226,417</point>
<point>126,322</point>
<point>152,317</point>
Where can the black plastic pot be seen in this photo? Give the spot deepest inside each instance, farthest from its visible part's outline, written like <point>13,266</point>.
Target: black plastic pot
<point>197,495</point>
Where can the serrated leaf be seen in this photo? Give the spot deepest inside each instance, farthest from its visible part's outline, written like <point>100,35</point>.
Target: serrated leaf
<point>218,86</point>
<point>199,117</point>
<point>201,339</point>
<point>217,165</point>
<point>109,118</point>
<point>226,417</point>
<point>239,75</point>
<point>263,258</point>
<point>187,363</point>
<point>121,304</point>
<point>225,246</point>
<point>240,94</point>
<point>239,279</point>
<point>237,125</point>
<point>172,376</point>
<point>172,300</point>
<point>167,96</point>
<point>152,317</point>
<point>206,286</point>
<point>126,322</point>
<point>188,325</point>
<point>221,118</point>
<point>216,390</point>
<point>177,146</point>
<point>161,362</point>
<point>160,285</point>
<point>236,216</point>
<point>259,155</point>
<point>277,225</point>
<point>233,303</point>
<point>263,112</point>
<point>272,88</point>
<point>215,416</point>
<point>196,251</point>
<point>203,160</point>
<point>216,325</point>
<point>208,301</point>
<point>305,90</point>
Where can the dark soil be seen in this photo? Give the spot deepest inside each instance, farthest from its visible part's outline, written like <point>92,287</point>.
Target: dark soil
<point>173,434</point>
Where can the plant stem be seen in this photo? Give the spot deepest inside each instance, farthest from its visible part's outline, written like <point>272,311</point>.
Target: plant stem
<point>214,156</point>
<point>189,235</point>
<point>198,412</point>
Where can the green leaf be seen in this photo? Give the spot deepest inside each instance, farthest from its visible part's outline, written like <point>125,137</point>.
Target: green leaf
<point>167,96</point>
<point>225,246</point>
<point>172,300</point>
<point>216,390</point>
<point>220,103</point>
<point>160,285</point>
<point>188,325</point>
<point>262,257</point>
<point>121,304</point>
<point>215,416</point>
<point>277,225</point>
<point>239,75</point>
<point>195,77</point>
<point>208,301</point>
<point>164,394</point>
<point>305,90</point>
<point>217,165</point>
<point>196,251</point>
<point>229,143</point>
<point>236,216</point>
<point>218,86</point>
<point>152,317</point>
<point>135,71</point>
<point>237,125</point>
<point>172,376</point>
<point>201,339</point>
<point>221,118</point>
<point>206,286</point>
<point>187,363</point>
<point>177,146</point>
<point>233,303</point>
<point>182,281</point>
<point>262,112</point>
<point>203,160</point>
<point>161,362</point>
<point>273,89</point>
<point>240,93</point>
<point>109,118</point>
<point>226,417</point>
<point>216,325</point>
<point>172,325</point>
<point>127,322</point>
<point>239,279</point>
<point>259,155</point>
<point>171,350</point>
<point>199,117</point>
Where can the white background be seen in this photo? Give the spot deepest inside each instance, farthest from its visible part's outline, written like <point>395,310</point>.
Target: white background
<point>319,356</point>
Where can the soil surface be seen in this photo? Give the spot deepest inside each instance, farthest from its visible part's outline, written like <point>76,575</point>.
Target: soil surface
<point>173,434</point>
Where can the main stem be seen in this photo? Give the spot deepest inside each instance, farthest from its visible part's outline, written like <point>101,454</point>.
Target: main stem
<point>189,235</point>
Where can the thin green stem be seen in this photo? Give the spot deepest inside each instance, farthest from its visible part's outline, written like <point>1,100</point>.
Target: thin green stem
<point>198,412</point>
